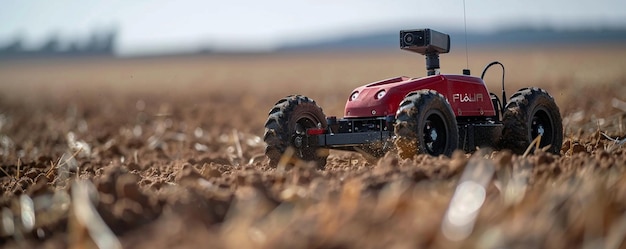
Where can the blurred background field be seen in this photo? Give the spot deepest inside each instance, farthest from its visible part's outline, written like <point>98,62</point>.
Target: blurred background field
<point>581,78</point>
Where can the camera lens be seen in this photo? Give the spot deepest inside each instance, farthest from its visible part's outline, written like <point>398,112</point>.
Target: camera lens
<point>408,38</point>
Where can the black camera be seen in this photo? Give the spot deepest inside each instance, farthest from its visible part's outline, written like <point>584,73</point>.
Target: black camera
<point>424,41</point>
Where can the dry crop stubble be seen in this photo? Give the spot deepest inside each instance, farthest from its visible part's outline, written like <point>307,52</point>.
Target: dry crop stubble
<point>171,141</point>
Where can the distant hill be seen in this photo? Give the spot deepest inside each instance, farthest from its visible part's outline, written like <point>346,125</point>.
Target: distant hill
<point>100,43</point>
<point>103,42</point>
<point>512,37</point>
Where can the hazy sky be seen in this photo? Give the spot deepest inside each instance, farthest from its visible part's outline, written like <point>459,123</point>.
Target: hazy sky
<point>161,24</point>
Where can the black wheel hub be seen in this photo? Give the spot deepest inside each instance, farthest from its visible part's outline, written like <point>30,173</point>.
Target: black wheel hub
<point>298,140</point>
<point>541,125</point>
<point>434,135</point>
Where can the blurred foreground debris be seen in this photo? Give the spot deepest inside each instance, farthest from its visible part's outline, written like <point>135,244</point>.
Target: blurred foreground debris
<point>468,197</point>
<point>619,104</point>
<point>617,142</point>
<point>86,225</point>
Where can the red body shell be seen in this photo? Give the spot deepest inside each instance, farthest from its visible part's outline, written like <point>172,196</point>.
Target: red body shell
<point>467,95</point>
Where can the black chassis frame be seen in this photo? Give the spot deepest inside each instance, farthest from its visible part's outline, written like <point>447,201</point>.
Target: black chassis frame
<point>349,133</point>
<point>377,132</point>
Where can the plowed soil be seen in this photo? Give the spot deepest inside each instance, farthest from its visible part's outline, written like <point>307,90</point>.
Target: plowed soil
<point>167,153</point>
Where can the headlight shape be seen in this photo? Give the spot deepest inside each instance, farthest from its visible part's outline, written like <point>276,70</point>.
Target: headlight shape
<point>354,96</point>
<point>381,94</point>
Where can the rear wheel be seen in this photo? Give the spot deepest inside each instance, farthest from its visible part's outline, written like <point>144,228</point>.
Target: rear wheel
<point>425,124</point>
<point>287,124</point>
<point>532,112</point>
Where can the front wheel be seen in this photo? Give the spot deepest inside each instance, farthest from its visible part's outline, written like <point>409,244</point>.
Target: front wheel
<point>286,125</point>
<point>531,112</point>
<point>425,124</point>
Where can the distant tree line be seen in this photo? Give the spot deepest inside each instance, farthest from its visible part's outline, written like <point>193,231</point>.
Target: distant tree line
<point>100,43</point>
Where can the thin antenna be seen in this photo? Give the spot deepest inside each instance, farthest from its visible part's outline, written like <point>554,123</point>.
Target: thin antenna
<point>466,71</point>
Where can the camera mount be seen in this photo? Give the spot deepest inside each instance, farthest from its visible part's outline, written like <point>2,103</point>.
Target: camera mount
<point>426,42</point>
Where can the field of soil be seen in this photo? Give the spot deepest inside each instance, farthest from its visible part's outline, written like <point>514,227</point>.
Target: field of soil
<point>168,153</point>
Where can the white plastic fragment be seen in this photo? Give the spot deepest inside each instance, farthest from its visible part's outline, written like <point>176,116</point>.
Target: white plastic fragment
<point>619,104</point>
<point>27,213</point>
<point>468,198</point>
<point>156,142</point>
<point>80,146</point>
<point>137,131</point>
<point>83,196</point>
<point>201,147</point>
<point>254,141</point>
<point>198,132</point>
<point>516,186</point>
<point>8,225</point>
